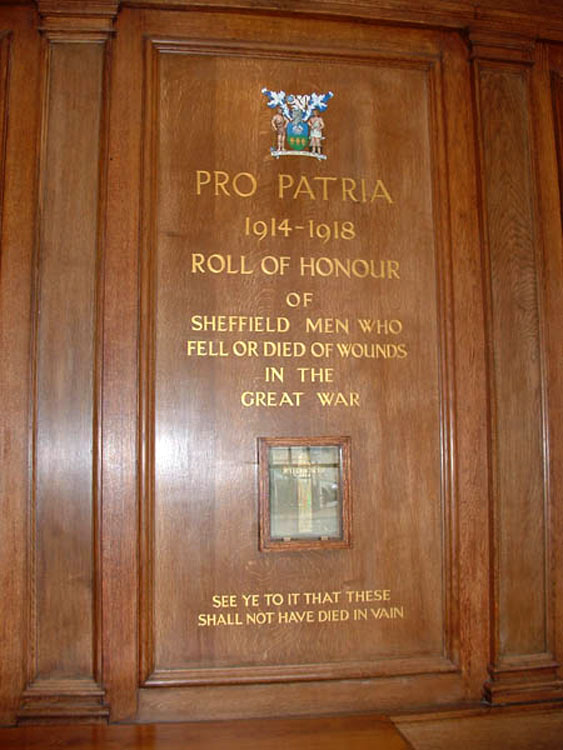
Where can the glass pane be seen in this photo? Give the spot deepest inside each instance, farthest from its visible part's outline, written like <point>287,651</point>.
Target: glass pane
<point>305,492</point>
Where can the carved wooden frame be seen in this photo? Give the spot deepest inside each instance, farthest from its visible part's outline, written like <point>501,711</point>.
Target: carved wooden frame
<point>266,543</point>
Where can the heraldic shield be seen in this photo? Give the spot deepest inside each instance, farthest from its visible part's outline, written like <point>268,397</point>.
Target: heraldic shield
<point>297,133</point>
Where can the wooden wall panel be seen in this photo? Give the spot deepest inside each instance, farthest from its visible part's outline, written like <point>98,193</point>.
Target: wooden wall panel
<point>120,523</point>
<point>174,569</point>
<point>129,477</point>
<point>549,110</point>
<point>65,654</point>
<point>200,426</point>
<point>19,118</point>
<point>518,438</point>
<point>522,614</point>
<point>65,454</point>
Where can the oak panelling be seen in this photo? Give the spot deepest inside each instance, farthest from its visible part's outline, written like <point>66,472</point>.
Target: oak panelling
<point>19,118</point>
<point>469,552</point>
<point>550,151</point>
<point>5,45</point>
<point>120,525</point>
<point>527,17</point>
<point>205,442</point>
<point>522,607</point>
<point>462,635</point>
<point>65,453</point>
<point>461,206</point>
<point>65,654</point>
<point>518,436</point>
<point>557,102</point>
<point>327,697</point>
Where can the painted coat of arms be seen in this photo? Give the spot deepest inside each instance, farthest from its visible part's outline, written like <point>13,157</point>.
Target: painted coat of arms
<point>298,123</point>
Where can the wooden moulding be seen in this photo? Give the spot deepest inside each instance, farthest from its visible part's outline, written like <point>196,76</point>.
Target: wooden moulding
<point>63,701</point>
<point>527,682</point>
<point>68,19</point>
<point>532,18</point>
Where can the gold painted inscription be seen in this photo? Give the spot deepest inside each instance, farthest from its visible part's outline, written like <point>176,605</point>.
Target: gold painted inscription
<point>222,184</point>
<point>300,608</point>
<point>287,336</point>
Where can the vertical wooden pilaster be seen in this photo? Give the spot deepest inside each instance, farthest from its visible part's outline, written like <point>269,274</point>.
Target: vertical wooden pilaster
<point>65,664</point>
<point>19,64</point>
<point>523,666</point>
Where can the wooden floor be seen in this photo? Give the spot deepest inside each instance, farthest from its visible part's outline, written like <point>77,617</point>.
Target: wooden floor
<point>508,730</point>
<point>351,733</point>
<point>511,730</point>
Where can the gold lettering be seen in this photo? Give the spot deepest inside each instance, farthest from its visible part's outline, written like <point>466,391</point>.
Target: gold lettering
<point>217,263</point>
<point>303,186</point>
<point>214,621</point>
<point>380,327</point>
<point>250,178</point>
<point>324,181</point>
<point>374,595</point>
<point>348,187</point>
<point>244,184</point>
<point>221,180</point>
<point>202,348</point>
<point>285,181</point>
<point>322,597</point>
<point>271,399</point>
<point>359,268</point>
<point>224,600</point>
<point>380,191</point>
<point>259,618</point>
<point>360,350</point>
<point>200,174</point>
<point>292,616</point>
<point>316,374</point>
<point>333,615</point>
<point>239,323</point>
<point>327,325</point>
<point>283,349</point>
<point>197,262</point>
<point>337,398</point>
<point>393,269</point>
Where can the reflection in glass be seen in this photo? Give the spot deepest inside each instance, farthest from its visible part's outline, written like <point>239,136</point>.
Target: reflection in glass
<point>305,492</point>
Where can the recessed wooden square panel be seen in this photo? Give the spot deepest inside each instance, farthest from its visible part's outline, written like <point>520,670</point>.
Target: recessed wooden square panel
<point>288,296</point>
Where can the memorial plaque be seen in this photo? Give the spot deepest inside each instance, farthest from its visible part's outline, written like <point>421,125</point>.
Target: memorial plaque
<point>292,289</point>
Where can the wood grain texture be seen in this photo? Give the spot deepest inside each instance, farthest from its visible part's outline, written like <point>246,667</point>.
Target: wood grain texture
<point>307,734</point>
<point>20,103</point>
<point>166,702</point>
<point>120,376</point>
<point>194,515</point>
<point>383,695</point>
<point>65,654</point>
<point>145,465</point>
<point>551,199</point>
<point>542,730</point>
<point>469,520</point>
<point>518,437</point>
<point>528,17</point>
<point>522,585</point>
<point>65,418</point>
